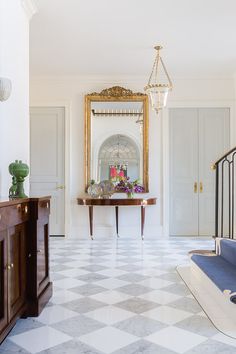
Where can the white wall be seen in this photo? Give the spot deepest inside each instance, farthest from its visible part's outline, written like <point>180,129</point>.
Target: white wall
<point>14,64</point>
<point>57,91</point>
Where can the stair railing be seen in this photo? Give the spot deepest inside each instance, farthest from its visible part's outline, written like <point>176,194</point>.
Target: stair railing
<point>225,195</point>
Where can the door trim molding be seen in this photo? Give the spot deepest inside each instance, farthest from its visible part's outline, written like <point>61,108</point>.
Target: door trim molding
<point>164,116</point>
<point>67,107</point>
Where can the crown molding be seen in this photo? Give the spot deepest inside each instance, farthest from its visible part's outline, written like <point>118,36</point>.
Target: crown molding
<point>29,7</point>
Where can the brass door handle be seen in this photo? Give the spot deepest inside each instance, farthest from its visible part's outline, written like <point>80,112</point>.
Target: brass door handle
<point>201,187</point>
<point>195,187</point>
<point>61,187</point>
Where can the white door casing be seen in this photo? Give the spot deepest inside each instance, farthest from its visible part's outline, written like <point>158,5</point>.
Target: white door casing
<point>47,161</point>
<point>203,135</point>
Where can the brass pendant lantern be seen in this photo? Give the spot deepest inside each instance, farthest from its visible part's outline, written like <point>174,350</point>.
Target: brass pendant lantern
<point>159,83</point>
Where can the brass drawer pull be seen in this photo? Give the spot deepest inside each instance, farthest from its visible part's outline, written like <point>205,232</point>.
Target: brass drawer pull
<point>9,266</point>
<point>26,209</point>
<point>195,187</point>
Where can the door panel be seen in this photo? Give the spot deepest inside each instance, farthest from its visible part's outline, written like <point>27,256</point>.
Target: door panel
<point>183,171</point>
<point>213,142</point>
<point>3,279</point>
<point>17,269</point>
<point>47,153</point>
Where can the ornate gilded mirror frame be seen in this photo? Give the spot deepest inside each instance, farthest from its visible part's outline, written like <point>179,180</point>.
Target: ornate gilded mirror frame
<point>115,94</point>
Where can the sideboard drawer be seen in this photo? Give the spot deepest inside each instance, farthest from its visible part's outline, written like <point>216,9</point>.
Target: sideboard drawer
<point>14,215</point>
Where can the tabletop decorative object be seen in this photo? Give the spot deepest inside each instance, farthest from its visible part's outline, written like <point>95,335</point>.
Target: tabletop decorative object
<point>94,189</point>
<point>19,171</point>
<point>128,187</point>
<point>107,188</point>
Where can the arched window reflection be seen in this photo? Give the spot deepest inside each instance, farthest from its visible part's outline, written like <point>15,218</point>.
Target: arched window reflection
<point>118,157</point>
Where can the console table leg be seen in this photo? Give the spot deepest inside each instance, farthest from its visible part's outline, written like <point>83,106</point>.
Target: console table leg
<point>142,220</point>
<point>91,221</point>
<point>117,221</point>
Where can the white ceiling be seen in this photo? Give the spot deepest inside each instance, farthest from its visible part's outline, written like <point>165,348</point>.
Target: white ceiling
<point>116,37</point>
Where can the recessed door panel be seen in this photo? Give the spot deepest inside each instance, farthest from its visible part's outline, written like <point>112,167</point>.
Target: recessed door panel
<point>3,279</point>
<point>183,171</point>
<point>47,155</point>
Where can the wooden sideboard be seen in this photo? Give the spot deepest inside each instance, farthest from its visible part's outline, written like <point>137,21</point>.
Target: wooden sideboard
<point>25,287</point>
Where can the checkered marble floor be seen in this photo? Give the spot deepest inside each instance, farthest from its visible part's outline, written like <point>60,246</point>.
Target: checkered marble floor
<point>122,297</point>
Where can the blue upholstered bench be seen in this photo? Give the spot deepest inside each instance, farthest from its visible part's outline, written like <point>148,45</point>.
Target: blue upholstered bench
<point>221,269</point>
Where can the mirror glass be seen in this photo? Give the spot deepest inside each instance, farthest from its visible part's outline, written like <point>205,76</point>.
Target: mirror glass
<point>116,137</point>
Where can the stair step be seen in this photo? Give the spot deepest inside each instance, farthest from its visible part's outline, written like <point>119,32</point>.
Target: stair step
<point>219,270</point>
<point>228,250</point>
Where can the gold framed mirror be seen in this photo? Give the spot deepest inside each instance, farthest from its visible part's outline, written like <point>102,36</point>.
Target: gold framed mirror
<point>116,136</point>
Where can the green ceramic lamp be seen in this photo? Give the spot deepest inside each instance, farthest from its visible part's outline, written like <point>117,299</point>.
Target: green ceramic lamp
<point>19,171</point>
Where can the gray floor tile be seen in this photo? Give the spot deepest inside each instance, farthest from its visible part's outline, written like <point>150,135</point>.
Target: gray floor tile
<point>212,347</point>
<point>143,347</point>
<point>83,305</point>
<point>186,304</point>
<point>137,305</point>
<point>134,289</point>
<point>132,277</point>
<point>179,289</point>
<point>94,268</point>
<point>71,347</point>
<point>88,289</point>
<point>198,324</point>
<point>140,326</point>
<point>23,325</point>
<point>91,277</point>
<point>77,326</point>
<point>7,347</point>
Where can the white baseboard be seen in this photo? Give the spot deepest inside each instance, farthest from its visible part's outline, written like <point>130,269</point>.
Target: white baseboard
<point>109,232</point>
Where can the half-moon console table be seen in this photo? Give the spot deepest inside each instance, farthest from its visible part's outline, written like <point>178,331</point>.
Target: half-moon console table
<point>91,202</point>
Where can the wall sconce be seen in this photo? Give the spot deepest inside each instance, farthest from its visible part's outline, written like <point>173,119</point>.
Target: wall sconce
<point>5,88</point>
<point>159,83</point>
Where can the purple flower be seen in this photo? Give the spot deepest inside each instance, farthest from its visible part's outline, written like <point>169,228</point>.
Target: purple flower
<point>126,186</point>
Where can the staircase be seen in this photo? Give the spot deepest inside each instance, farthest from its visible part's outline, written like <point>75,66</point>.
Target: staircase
<point>225,195</point>
<point>211,276</point>
<point>221,268</point>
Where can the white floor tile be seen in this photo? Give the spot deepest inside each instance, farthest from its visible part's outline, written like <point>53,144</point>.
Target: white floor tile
<point>111,297</point>
<point>176,339</point>
<point>112,272</point>
<point>110,315</point>
<point>167,315</point>
<point>111,283</point>
<point>54,314</point>
<point>225,339</point>
<point>156,283</point>
<point>160,296</point>
<point>68,283</point>
<point>63,296</point>
<point>108,339</point>
<point>40,339</point>
<point>72,273</point>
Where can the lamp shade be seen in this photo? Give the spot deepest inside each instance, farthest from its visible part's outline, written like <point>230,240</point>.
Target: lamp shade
<point>158,96</point>
<point>159,83</point>
<point>5,88</point>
